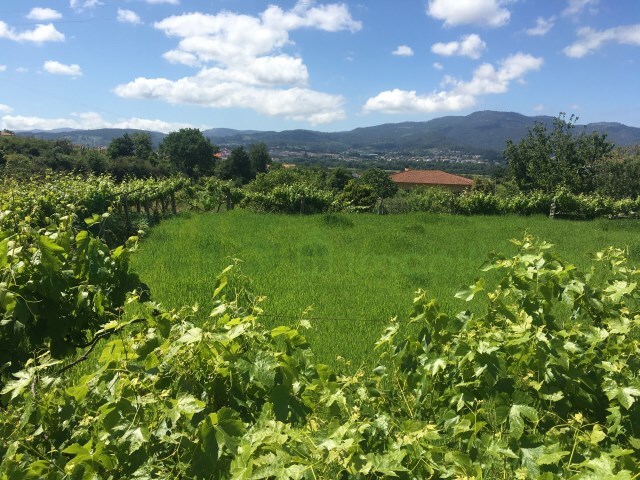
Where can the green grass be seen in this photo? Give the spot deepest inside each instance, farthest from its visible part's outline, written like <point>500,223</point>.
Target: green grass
<point>356,271</point>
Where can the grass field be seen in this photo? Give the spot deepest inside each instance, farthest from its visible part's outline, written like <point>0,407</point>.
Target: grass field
<point>356,271</point>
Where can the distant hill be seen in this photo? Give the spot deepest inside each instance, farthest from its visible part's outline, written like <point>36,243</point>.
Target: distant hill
<point>483,132</point>
<point>91,138</point>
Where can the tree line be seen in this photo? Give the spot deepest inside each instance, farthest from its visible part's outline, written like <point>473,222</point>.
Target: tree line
<point>185,151</point>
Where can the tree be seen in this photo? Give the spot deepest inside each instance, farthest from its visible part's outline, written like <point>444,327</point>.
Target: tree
<point>259,158</point>
<point>142,145</point>
<point>619,175</point>
<point>237,167</point>
<point>380,181</point>
<point>121,147</point>
<point>546,160</point>
<point>189,152</point>
<point>338,178</point>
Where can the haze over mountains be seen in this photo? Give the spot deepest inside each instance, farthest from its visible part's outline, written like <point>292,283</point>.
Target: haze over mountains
<point>484,132</point>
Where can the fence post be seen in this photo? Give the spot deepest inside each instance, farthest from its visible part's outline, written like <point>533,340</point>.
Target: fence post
<point>147,209</point>
<point>173,202</point>
<point>380,207</point>
<point>552,211</point>
<point>302,202</point>
<point>127,218</point>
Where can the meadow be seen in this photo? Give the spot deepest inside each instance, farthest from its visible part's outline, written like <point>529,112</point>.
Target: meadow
<point>349,274</point>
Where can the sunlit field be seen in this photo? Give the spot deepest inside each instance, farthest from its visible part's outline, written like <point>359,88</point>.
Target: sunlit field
<point>349,274</point>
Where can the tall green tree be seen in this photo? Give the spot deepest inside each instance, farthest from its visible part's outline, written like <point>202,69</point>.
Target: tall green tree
<point>380,181</point>
<point>121,147</point>
<point>337,178</point>
<point>259,158</point>
<point>142,145</point>
<point>545,160</point>
<point>189,151</point>
<point>237,167</point>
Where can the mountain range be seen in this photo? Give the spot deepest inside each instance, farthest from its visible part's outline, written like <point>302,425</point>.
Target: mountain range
<point>484,132</point>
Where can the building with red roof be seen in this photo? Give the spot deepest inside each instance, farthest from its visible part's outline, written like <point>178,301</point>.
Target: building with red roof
<point>431,178</point>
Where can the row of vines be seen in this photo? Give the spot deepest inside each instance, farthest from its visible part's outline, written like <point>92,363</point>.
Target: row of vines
<point>307,198</point>
<point>64,254</point>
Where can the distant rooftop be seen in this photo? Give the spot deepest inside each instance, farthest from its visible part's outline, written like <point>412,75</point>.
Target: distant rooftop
<point>430,177</point>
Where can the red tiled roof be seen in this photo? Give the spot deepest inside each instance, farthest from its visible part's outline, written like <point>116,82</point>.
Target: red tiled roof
<point>430,177</point>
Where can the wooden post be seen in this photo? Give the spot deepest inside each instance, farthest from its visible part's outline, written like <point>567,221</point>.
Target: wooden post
<point>552,211</point>
<point>302,202</point>
<point>127,218</point>
<point>173,203</point>
<point>380,207</point>
<point>147,209</point>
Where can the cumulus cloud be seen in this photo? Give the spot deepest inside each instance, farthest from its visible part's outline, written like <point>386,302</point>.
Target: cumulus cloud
<point>576,7</point>
<point>57,68</point>
<point>590,40</point>
<point>43,14</point>
<point>403,51</point>
<point>296,103</point>
<point>471,46</point>
<point>3,68</point>
<point>5,108</point>
<point>486,80</point>
<point>82,4</point>
<point>128,16</point>
<point>87,120</point>
<point>242,65</point>
<point>438,66</point>
<point>543,25</point>
<point>39,35</point>
<point>489,13</point>
<point>157,2</point>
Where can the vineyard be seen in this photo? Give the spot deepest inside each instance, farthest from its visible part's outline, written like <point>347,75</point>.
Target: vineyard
<point>536,377</point>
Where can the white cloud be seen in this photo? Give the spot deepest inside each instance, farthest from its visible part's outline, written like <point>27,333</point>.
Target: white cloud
<point>5,108</point>
<point>22,69</point>
<point>468,46</point>
<point>87,120</point>
<point>438,66</point>
<point>43,14</point>
<point>576,7</point>
<point>3,68</point>
<point>403,51</point>
<point>539,108</point>
<point>543,25</point>
<point>206,89</point>
<point>490,13</point>
<point>157,2</point>
<point>128,16</point>
<point>39,35</point>
<point>461,95</point>
<point>185,58</point>
<point>82,4</point>
<point>590,40</point>
<point>57,68</point>
<point>249,69</point>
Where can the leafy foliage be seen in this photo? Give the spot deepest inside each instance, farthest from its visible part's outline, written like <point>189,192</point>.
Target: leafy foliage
<point>543,384</point>
<point>548,160</point>
<point>189,152</point>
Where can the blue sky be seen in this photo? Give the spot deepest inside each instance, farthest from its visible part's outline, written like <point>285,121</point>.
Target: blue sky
<point>286,64</point>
